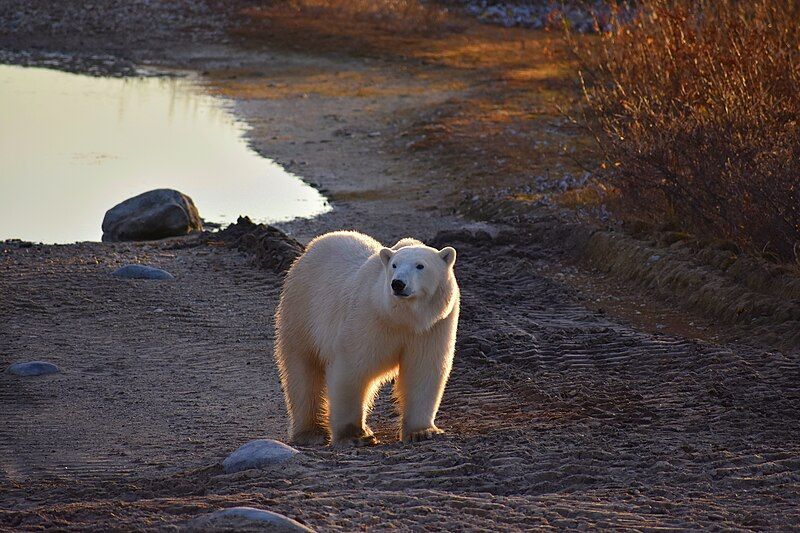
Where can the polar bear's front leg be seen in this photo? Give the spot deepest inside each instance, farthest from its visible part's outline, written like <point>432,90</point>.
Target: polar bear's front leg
<point>424,368</point>
<point>350,395</point>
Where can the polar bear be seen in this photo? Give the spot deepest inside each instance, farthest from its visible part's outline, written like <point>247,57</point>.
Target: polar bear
<point>352,316</point>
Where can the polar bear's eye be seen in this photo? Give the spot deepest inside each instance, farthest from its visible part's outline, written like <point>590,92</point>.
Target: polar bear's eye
<point>420,267</point>
<point>394,265</point>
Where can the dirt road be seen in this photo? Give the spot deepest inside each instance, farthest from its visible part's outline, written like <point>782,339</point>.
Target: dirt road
<point>556,414</point>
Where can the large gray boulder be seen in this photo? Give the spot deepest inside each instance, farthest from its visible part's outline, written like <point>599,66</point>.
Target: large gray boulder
<point>152,215</point>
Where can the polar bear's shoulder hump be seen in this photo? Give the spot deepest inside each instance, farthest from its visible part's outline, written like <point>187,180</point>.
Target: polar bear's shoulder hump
<point>407,241</point>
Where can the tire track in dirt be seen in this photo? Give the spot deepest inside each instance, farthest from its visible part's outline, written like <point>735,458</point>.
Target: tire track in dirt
<point>555,415</point>
<point>549,400</point>
<point>139,359</point>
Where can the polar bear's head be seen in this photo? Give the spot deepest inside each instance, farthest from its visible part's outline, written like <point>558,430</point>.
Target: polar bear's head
<point>417,271</point>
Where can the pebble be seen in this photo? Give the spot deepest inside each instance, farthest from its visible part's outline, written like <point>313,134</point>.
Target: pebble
<point>258,454</point>
<point>241,517</point>
<point>482,227</point>
<point>141,272</point>
<point>33,368</point>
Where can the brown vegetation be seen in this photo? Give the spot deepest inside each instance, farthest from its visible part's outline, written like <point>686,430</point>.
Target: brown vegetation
<point>696,108</point>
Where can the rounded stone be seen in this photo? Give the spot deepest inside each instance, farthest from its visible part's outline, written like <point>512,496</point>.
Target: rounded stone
<point>258,453</point>
<point>152,215</point>
<point>141,272</point>
<point>33,368</point>
<point>247,518</point>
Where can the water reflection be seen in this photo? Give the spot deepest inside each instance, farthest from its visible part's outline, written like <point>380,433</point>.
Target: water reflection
<point>73,146</point>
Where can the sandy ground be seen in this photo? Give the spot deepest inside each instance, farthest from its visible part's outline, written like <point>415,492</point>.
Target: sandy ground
<point>556,415</point>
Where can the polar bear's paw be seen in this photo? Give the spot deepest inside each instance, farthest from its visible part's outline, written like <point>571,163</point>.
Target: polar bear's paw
<point>421,435</point>
<point>353,435</point>
<point>364,441</point>
<point>310,437</point>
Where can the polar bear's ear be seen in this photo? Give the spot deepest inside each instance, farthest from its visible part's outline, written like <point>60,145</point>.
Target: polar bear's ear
<point>448,255</point>
<point>386,255</point>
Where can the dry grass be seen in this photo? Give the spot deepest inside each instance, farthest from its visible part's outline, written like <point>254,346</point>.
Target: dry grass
<point>696,108</point>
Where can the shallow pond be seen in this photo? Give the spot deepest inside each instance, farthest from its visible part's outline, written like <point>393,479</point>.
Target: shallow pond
<point>72,147</point>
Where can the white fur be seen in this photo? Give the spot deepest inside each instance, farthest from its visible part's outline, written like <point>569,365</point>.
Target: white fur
<point>342,333</point>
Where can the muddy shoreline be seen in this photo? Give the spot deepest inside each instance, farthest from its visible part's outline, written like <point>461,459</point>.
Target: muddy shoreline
<point>558,414</point>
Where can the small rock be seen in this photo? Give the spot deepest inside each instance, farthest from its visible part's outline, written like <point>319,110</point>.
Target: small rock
<point>482,228</point>
<point>653,258</point>
<point>661,466</point>
<point>258,454</point>
<point>33,368</point>
<point>141,272</point>
<point>246,518</point>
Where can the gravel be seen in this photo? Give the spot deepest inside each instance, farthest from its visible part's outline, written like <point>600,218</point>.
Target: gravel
<point>582,17</point>
<point>107,39</point>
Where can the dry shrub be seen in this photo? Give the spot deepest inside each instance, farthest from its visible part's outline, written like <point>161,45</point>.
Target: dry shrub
<point>696,107</point>
<point>401,16</point>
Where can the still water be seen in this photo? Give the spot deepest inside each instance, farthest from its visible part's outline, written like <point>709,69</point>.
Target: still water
<point>73,146</point>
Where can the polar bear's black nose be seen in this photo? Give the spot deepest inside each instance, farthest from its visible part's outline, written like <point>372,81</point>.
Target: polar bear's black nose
<point>397,285</point>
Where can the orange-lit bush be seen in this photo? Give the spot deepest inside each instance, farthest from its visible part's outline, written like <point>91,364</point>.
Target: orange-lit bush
<point>696,107</point>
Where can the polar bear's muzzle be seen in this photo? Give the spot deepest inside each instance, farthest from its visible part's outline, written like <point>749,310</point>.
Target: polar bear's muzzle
<point>399,288</point>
